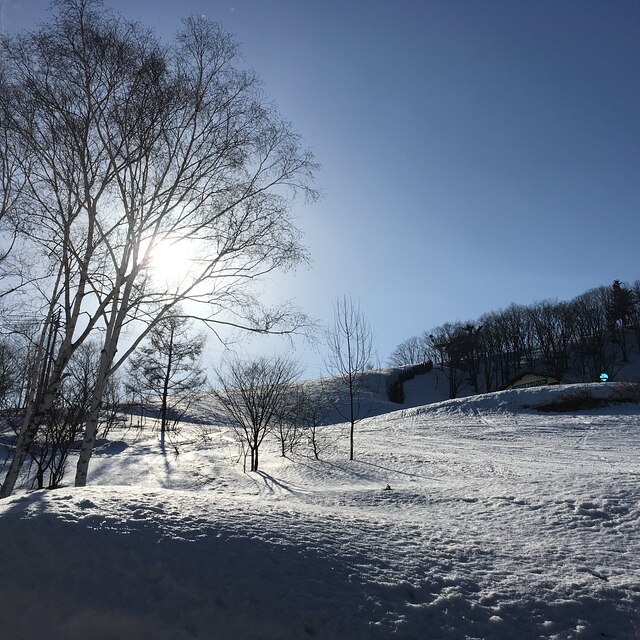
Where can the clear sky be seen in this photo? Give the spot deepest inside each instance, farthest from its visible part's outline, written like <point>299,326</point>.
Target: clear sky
<point>474,153</point>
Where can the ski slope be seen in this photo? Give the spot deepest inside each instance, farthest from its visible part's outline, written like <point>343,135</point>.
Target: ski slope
<point>501,522</point>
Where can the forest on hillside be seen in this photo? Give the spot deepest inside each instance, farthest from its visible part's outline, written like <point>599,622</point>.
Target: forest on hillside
<point>576,340</point>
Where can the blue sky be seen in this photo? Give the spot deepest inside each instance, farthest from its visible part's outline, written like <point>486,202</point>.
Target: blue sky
<point>473,153</point>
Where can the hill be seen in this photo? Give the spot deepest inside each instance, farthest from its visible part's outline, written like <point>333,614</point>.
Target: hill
<point>500,521</point>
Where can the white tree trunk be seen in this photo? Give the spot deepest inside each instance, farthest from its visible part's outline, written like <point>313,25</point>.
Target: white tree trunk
<point>92,419</point>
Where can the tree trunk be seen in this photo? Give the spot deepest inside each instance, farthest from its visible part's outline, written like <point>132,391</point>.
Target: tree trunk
<point>314,444</point>
<point>117,316</point>
<point>40,478</point>
<point>93,414</point>
<point>89,440</point>
<point>351,439</point>
<point>165,391</point>
<point>351,407</point>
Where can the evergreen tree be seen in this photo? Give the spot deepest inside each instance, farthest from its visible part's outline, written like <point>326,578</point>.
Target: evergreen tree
<point>168,369</point>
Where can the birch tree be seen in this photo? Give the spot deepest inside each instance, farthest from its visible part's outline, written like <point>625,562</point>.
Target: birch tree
<point>132,145</point>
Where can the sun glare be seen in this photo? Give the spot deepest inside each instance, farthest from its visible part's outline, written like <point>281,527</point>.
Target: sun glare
<point>171,262</point>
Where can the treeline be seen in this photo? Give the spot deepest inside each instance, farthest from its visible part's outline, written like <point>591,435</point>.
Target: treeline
<point>575,340</point>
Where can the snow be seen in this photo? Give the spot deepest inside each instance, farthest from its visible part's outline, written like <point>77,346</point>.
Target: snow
<point>502,522</point>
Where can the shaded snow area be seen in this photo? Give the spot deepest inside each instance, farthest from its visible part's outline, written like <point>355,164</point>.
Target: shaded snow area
<point>502,522</point>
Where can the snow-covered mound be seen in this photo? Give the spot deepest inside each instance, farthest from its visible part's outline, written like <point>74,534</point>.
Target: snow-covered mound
<point>501,522</point>
<point>547,397</point>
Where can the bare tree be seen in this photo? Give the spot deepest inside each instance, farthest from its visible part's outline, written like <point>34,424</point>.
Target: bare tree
<point>167,369</point>
<point>130,145</point>
<point>63,426</point>
<point>313,406</point>
<point>64,422</point>
<point>14,174</point>
<point>451,340</point>
<point>306,409</point>
<point>506,345</point>
<point>350,350</point>
<point>252,395</point>
<point>620,311</point>
<point>552,324</point>
<point>413,350</point>
<point>594,351</point>
<point>288,428</point>
<point>12,369</point>
<point>635,318</point>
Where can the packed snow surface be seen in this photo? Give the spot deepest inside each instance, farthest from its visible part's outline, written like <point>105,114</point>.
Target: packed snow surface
<point>501,522</point>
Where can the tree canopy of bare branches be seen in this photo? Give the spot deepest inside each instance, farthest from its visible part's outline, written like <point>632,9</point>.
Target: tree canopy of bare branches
<point>576,340</point>
<point>413,350</point>
<point>125,144</point>
<point>254,395</point>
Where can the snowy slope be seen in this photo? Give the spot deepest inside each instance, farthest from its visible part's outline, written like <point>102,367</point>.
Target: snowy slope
<point>501,522</point>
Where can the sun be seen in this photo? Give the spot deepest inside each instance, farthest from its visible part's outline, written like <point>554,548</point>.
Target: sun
<point>171,261</point>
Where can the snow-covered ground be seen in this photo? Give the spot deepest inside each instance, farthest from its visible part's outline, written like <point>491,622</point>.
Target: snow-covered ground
<point>502,522</point>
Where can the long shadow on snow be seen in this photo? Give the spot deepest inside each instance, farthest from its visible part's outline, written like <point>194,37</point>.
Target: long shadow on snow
<point>91,574</point>
<point>154,566</point>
